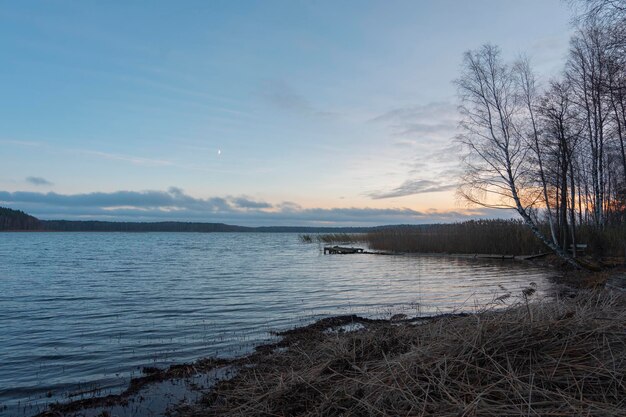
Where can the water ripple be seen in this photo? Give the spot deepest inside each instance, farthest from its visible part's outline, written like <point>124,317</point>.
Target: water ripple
<point>88,310</point>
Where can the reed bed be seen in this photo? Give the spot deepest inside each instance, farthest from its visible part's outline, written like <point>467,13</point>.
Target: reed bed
<point>498,237</point>
<point>610,241</point>
<point>557,358</point>
<point>502,237</point>
<point>331,238</point>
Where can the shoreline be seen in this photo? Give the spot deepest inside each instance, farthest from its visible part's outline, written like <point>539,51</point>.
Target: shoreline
<point>221,376</point>
<point>191,381</point>
<point>196,376</point>
<point>225,368</point>
<point>530,358</point>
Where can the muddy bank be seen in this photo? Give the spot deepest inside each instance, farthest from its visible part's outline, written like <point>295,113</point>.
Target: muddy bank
<point>158,392</point>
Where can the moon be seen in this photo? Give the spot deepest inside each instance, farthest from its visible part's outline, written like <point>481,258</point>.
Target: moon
<point>219,151</point>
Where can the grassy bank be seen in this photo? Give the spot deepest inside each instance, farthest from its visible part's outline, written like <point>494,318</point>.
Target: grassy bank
<point>561,358</point>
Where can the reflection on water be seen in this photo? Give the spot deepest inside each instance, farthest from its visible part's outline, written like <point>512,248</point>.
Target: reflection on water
<point>80,311</point>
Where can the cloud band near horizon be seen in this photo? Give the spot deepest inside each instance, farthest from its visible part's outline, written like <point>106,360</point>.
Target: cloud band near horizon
<point>175,205</point>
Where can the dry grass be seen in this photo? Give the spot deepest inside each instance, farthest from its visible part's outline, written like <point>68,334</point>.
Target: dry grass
<point>557,358</point>
<point>331,238</point>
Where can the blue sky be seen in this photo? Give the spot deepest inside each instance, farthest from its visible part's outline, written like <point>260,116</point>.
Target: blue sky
<point>268,112</point>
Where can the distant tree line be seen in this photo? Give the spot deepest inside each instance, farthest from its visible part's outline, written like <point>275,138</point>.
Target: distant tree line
<point>17,220</point>
<point>555,151</point>
<point>100,226</point>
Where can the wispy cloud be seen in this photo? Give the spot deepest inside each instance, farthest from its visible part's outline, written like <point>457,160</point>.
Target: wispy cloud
<point>135,160</point>
<point>412,187</point>
<point>282,95</point>
<point>26,143</point>
<point>549,52</point>
<point>439,109</point>
<point>39,181</point>
<point>426,132</point>
<point>436,119</point>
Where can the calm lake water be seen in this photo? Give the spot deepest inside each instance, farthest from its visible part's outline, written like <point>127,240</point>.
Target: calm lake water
<point>80,311</point>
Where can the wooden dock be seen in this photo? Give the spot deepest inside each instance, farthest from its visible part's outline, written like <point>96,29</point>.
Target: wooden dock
<point>580,248</point>
<point>341,250</point>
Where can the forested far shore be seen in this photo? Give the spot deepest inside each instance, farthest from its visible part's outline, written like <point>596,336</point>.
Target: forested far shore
<point>489,236</point>
<point>17,220</point>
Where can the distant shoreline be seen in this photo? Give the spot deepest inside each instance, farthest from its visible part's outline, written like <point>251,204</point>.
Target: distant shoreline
<point>18,221</point>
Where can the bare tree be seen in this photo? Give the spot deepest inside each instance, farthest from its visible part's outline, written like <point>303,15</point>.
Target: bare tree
<point>617,100</point>
<point>587,74</point>
<point>497,168</point>
<point>557,155</point>
<point>608,12</point>
<point>529,95</point>
<point>561,132</point>
<point>602,32</point>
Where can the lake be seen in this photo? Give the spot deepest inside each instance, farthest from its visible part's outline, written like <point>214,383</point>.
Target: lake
<point>83,311</point>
